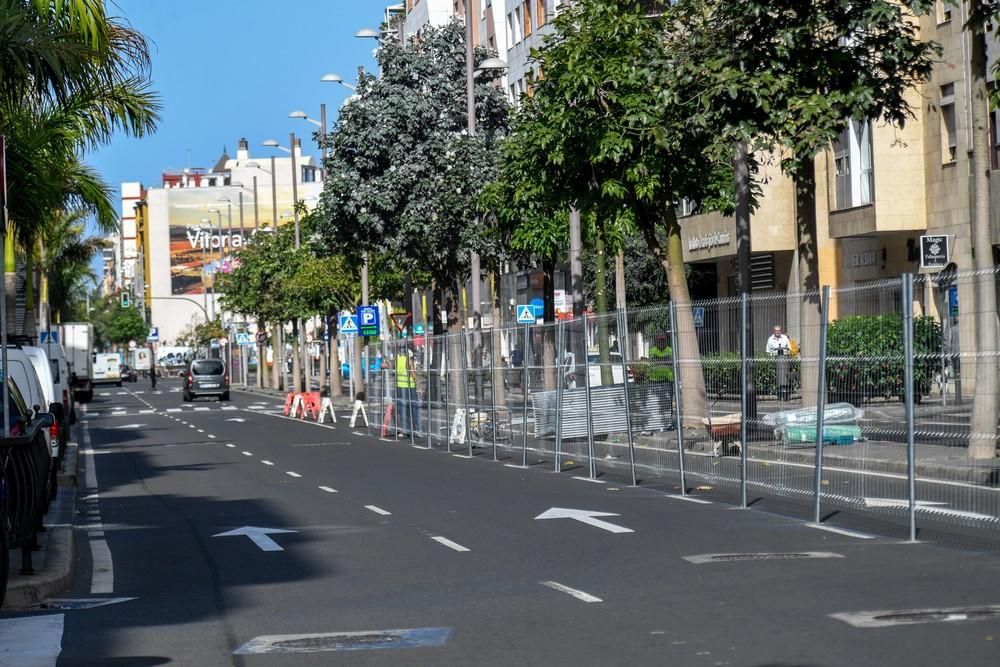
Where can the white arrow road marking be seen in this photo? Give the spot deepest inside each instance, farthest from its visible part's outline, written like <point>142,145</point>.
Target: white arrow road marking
<point>584,516</point>
<point>579,595</point>
<point>239,420</point>
<point>258,535</point>
<point>31,641</point>
<point>129,426</point>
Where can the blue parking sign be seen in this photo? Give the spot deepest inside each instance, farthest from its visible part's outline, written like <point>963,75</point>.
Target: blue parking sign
<point>368,320</point>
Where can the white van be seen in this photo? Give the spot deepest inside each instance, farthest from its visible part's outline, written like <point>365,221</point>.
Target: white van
<point>51,392</point>
<point>61,376</point>
<point>107,368</point>
<point>22,372</point>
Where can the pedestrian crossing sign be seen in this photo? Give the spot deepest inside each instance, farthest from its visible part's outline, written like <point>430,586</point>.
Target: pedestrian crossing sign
<point>525,314</point>
<point>348,325</point>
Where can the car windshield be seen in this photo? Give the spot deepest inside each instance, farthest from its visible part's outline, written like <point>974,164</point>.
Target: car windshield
<point>207,367</point>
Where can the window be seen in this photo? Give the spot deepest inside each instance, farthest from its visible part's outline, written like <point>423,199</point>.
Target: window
<point>510,29</point>
<point>540,13</point>
<point>943,11</point>
<point>518,35</point>
<point>948,135</point>
<point>527,18</point>
<point>852,155</point>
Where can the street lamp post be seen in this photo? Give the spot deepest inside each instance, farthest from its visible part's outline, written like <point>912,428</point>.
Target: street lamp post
<point>204,260</point>
<point>218,213</point>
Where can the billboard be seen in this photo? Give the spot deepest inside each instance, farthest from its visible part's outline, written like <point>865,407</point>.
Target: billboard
<point>199,248</point>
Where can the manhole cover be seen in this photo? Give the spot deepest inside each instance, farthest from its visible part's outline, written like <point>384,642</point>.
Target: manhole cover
<point>346,641</point>
<point>886,618</point>
<point>741,557</point>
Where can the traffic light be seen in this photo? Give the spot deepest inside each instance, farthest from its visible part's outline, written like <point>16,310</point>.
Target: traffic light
<point>126,300</point>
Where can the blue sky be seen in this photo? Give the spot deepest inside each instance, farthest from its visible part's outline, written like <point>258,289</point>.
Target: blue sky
<point>226,69</point>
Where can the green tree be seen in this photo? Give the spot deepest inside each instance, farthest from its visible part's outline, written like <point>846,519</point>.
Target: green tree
<point>600,135</point>
<point>787,76</point>
<point>126,324</point>
<point>404,176</point>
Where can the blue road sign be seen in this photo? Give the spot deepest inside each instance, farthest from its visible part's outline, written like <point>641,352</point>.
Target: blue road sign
<point>525,314</point>
<point>154,335</point>
<point>538,306</point>
<point>242,339</point>
<point>699,315</point>
<point>348,325</point>
<point>46,336</point>
<point>368,320</point>
<point>953,301</point>
<point>418,329</point>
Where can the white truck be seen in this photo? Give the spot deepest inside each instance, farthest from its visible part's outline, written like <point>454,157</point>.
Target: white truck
<point>78,341</point>
<point>107,368</point>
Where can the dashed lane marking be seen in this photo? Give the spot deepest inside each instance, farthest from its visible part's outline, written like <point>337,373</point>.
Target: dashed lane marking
<point>377,510</point>
<point>448,543</point>
<point>292,474</point>
<point>579,595</point>
<point>328,489</point>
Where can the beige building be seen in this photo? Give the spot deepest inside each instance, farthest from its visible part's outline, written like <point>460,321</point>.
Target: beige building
<point>880,188</point>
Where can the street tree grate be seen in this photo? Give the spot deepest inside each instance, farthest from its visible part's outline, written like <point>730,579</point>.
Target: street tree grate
<point>887,618</point>
<point>700,559</point>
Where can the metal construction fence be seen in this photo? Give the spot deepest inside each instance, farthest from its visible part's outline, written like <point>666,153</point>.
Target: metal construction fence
<point>902,379</point>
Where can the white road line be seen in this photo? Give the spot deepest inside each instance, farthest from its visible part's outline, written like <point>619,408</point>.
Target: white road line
<point>292,474</point>
<point>31,641</point>
<point>231,445</point>
<point>192,426</point>
<point>588,479</point>
<point>212,436</point>
<point>247,453</point>
<point>267,463</point>
<point>230,407</point>
<point>689,499</point>
<point>201,430</point>
<point>173,409</point>
<point>579,595</point>
<point>842,531</point>
<point>147,412</point>
<point>202,409</point>
<point>328,489</point>
<point>377,510</point>
<point>448,543</point>
<point>102,573</point>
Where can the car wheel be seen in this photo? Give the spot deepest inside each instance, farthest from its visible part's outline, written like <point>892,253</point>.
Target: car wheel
<point>119,383</point>
<point>224,397</point>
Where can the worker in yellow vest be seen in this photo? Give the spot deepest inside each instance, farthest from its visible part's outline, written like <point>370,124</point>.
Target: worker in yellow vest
<point>661,371</point>
<point>407,395</point>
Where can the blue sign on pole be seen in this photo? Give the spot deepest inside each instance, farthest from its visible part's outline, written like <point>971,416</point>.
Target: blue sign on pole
<point>699,315</point>
<point>539,307</point>
<point>154,335</point>
<point>368,320</point>
<point>526,314</point>
<point>953,301</point>
<point>348,325</point>
<point>46,336</point>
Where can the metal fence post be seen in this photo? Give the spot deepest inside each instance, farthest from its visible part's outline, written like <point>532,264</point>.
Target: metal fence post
<point>824,306</point>
<point>911,487</point>
<point>560,381</point>
<point>493,393</point>
<point>465,388</point>
<point>678,393</point>
<point>524,401</point>
<point>623,346</point>
<point>429,373</point>
<point>744,397</point>
<point>446,359</point>
<point>590,411</point>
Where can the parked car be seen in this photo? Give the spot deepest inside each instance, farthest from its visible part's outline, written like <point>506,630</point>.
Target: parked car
<point>29,388</point>
<point>128,374</point>
<point>206,377</point>
<point>61,376</point>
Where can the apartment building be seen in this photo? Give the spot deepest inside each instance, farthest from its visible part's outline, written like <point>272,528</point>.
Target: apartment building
<point>176,237</point>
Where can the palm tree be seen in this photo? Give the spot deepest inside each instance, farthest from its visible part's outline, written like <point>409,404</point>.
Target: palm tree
<point>66,276</point>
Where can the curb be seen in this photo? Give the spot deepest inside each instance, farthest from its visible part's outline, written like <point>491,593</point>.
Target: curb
<point>54,576</point>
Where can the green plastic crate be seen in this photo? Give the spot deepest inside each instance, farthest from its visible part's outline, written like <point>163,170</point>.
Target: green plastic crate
<point>833,434</point>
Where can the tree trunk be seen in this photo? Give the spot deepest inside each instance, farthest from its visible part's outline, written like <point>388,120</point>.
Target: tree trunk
<point>601,303</point>
<point>276,356</point>
<point>548,332</point>
<point>336,391</point>
<point>496,347</point>
<point>30,328</point>
<point>809,306</point>
<point>10,282</point>
<point>457,364</point>
<point>691,380</point>
<point>984,405</point>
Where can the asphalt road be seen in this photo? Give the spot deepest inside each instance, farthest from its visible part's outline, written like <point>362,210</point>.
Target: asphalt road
<point>384,537</point>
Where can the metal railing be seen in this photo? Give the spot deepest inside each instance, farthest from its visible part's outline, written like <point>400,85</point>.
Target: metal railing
<point>690,394</point>
<point>24,496</point>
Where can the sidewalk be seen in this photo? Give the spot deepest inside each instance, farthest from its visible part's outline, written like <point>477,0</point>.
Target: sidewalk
<point>54,562</point>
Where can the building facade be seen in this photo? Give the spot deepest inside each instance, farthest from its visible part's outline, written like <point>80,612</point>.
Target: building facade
<point>177,237</point>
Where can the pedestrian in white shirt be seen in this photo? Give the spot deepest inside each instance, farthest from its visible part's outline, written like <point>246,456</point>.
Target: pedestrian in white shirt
<point>778,343</point>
